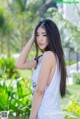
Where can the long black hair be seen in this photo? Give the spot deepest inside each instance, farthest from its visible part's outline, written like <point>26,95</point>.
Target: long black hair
<point>54,45</point>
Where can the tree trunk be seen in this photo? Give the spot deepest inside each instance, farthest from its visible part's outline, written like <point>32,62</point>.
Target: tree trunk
<point>8,44</point>
<point>77,58</point>
<point>1,44</point>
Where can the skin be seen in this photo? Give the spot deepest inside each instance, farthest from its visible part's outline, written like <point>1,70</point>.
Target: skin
<point>48,63</point>
<point>41,37</point>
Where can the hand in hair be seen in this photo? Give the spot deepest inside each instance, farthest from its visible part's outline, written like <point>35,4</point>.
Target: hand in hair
<point>32,37</point>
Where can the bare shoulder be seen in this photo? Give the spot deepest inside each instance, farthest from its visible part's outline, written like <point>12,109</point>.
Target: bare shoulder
<point>47,66</point>
<point>49,53</point>
<point>49,56</point>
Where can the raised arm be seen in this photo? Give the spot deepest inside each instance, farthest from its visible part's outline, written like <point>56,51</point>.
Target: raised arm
<point>21,62</point>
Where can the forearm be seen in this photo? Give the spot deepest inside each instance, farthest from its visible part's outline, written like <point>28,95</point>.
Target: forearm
<point>24,53</point>
<point>36,104</point>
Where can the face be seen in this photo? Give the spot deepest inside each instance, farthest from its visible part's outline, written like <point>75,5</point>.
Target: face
<point>42,39</point>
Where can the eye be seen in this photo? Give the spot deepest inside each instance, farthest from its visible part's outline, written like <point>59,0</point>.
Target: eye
<point>45,35</point>
<point>37,35</point>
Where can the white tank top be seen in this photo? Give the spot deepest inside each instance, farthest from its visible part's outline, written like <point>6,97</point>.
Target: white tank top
<point>50,101</point>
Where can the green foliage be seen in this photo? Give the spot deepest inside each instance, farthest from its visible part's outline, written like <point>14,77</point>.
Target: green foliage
<point>3,97</point>
<point>73,110</point>
<point>20,13</point>
<point>5,24</point>
<point>70,62</point>
<point>16,99</point>
<point>1,18</point>
<point>76,78</point>
<point>74,106</point>
<point>13,34</point>
<point>70,32</point>
<point>7,66</point>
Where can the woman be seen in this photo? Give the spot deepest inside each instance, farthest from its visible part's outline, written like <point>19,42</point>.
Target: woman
<point>49,77</point>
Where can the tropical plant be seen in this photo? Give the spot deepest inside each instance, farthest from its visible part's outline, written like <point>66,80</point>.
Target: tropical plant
<point>16,98</point>
<point>7,66</point>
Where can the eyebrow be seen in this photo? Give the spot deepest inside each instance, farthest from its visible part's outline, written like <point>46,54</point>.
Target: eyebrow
<point>42,33</point>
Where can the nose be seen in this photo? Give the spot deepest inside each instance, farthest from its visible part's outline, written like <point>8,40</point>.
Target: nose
<point>40,38</point>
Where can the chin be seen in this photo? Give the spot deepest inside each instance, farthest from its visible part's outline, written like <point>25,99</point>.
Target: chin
<point>42,48</point>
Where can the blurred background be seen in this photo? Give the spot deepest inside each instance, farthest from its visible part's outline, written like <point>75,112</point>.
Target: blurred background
<point>18,19</point>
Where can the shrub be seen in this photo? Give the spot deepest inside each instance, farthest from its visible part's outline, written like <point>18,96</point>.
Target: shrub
<point>76,78</point>
<point>70,62</point>
<point>7,66</point>
<point>73,110</point>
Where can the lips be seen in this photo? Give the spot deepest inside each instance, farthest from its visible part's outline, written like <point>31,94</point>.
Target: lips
<point>40,44</point>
